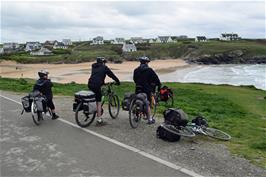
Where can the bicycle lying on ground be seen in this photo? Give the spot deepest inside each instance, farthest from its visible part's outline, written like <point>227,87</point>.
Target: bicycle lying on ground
<point>36,104</point>
<point>85,107</point>
<point>192,129</point>
<point>137,110</point>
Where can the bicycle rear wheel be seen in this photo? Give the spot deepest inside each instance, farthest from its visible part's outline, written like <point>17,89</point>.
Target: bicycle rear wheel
<point>181,131</point>
<point>114,106</point>
<point>217,134</point>
<point>36,115</point>
<point>134,114</point>
<point>83,119</point>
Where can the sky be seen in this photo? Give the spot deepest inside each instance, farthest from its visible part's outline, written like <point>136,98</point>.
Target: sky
<point>41,21</point>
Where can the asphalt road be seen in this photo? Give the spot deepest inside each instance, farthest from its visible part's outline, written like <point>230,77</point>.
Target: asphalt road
<point>59,149</point>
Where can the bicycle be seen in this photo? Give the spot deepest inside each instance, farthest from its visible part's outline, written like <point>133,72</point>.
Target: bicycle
<point>34,103</point>
<point>192,129</point>
<point>137,110</point>
<point>86,117</point>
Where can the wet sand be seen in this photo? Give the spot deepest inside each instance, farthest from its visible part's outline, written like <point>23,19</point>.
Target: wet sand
<point>79,73</point>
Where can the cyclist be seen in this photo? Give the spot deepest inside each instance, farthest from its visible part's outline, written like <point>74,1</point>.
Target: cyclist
<point>146,80</point>
<point>44,85</point>
<point>96,80</point>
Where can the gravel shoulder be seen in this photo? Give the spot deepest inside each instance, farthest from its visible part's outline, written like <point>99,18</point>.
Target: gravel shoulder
<point>205,156</point>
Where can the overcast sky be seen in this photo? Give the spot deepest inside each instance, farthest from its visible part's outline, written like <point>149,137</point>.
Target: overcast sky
<point>40,21</point>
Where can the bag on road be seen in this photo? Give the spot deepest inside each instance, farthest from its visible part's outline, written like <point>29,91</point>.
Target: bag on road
<point>176,117</point>
<point>166,135</point>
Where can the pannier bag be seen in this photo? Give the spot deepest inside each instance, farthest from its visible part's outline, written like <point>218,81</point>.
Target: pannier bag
<point>199,120</point>
<point>26,103</point>
<point>127,100</point>
<point>165,93</point>
<point>88,99</point>
<point>165,135</point>
<point>176,117</point>
<point>40,103</point>
<point>141,101</point>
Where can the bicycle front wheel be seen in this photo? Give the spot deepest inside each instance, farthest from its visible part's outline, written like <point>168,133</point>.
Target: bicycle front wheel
<point>217,134</point>
<point>83,119</point>
<point>181,131</point>
<point>36,115</point>
<point>114,106</point>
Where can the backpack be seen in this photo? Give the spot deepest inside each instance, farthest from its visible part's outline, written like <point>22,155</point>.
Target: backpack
<point>199,120</point>
<point>176,117</point>
<point>166,135</point>
<point>164,93</point>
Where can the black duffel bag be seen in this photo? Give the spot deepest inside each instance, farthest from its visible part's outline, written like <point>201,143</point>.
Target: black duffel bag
<point>165,135</point>
<point>176,117</point>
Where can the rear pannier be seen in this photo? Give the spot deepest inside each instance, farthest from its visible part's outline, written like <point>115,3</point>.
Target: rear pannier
<point>88,100</point>
<point>26,103</point>
<point>127,100</point>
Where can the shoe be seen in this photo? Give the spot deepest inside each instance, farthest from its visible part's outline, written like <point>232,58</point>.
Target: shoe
<point>99,121</point>
<point>55,116</point>
<point>151,121</point>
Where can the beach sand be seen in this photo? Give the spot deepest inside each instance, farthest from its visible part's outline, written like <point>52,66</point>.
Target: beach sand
<point>79,73</point>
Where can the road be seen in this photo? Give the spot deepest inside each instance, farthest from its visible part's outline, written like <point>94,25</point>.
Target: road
<point>56,148</point>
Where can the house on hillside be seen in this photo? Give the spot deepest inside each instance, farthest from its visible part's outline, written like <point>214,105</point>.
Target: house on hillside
<point>59,45</point>
<point>164,39</point>
<point>42,52</point>
<point>129,47</point>
<point>118,41</point>
<point>30,46</point>
<point>137,40</point>
<point>49,44</point>
<point>151,41</point>
<point>1,51</point>
<point>10,46</point>
<point>200,39</point>
<point>67,42</point>
<point>229,37</point>
<point>97,41</point>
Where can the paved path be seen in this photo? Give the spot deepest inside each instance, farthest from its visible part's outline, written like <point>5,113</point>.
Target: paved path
<point>58,149</point>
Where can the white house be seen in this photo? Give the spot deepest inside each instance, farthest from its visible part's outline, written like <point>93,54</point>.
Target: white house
<point>30,46</point>
<point>1,50</point>
<point>67,42</point>
<point>229,37</point>
<point>164,39</point>
<point>97,41</point>
<point>59,45</point>
<point>11,46</point>
<point>200,39</point>
<point>152,41</point>
<point>129,47</point>
<point>137,40</point>
<point>41,52</point>
<point>118,41</point>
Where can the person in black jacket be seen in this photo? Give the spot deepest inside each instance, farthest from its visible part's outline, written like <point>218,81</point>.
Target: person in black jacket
<point>146,81</point>
<point>44,85</point>
<point>96,80</point>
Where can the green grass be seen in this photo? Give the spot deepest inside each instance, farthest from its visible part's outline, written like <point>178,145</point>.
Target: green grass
<point>239,111</point>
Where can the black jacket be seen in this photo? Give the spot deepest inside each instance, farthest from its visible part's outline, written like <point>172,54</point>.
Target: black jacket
<point>98,74</point>
<point>145,79</point>
<point>45,87</point>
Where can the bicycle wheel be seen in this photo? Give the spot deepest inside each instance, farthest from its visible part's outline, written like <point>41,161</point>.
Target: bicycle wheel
<point>153,106</point>
<point>215,133</point>
<point>36,115</point>
<point>182,131</point>
<point>113,106</point>
<point>83,119</point>
<point>134,114</point>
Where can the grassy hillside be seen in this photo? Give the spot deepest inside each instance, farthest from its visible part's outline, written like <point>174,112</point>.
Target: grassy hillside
<point>83,52</point>
<point>240,111</point>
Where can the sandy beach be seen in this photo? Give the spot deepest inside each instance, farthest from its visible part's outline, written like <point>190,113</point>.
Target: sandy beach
<point>79,73</point>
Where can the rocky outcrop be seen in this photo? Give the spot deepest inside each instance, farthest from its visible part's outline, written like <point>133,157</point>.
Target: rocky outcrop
<point>232,57</point>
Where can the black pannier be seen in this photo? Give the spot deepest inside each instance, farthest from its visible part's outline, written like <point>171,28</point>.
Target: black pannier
<point>176,117</point>
<point>200,121</point>
<point>26,103</point>
<point>127,100</point>
<point>165,135</point>
<point>88,99</point>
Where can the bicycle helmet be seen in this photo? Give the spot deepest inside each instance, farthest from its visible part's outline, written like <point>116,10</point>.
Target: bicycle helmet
<point>43,73</point>
<point>144,59</point>
<point>101,60</point>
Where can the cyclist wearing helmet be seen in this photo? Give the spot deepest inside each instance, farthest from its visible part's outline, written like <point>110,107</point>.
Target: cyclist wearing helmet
<point>44,85</point>
<point>146,80</point>
<point>98,73</point>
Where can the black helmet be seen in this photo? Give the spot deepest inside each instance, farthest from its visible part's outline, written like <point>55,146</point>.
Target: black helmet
<point>144,59</point>
<point>101,60</point>
<point>43,73</point>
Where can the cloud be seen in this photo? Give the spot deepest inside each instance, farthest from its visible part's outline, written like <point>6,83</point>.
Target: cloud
<point>31,21</point>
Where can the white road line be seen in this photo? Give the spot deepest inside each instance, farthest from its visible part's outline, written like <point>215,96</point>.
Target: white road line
<point>142,153</point>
